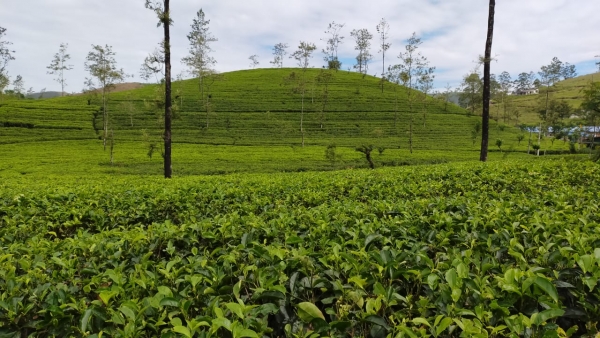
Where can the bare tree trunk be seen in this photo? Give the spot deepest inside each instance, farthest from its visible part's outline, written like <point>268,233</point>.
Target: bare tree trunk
<point>302,118</point>
<point>410,139</point>
<point>370,160</point>
<point>168,111</point>
<point>486,85</point>
<point>396,109</point>
<point>383,72</point>
<point>112,146</point>
<point>207,111</point>
<point>105,115</point>
<point>325,101</point>
<point>539,139</point>
<point>424,110</point>
<point>529,144</point>
<point>593,140</point>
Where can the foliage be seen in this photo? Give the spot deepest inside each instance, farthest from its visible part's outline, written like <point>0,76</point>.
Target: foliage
<point>383,29</point>
<point>499,143</point>
<point>525,81</point>
<point>553,111</point>
<point>279,53</point>
<point>5,53</point>
<point>254,61</point>
<point>59,66</point>
<point>476,131</point>
<point>471,95</point>
<point>303,54</point>
<point>362,39</point>
<point>200,39</point>
<point>102,66</point>
<point>367,150</point>
<point>333,42</point>
<point>591,100</point>
<point>455,250</point>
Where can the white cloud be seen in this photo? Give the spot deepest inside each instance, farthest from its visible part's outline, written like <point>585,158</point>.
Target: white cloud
<point>527,33</point>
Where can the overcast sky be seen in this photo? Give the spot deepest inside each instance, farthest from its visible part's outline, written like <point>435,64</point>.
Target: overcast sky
<point>528,33</point>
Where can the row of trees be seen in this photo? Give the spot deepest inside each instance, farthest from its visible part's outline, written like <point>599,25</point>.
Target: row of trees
<point>334,38</point>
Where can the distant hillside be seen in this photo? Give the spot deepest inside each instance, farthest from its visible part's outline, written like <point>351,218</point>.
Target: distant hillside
<point>257,107</point>
<point>118,88</point>
<point>44,95</point>
<point>568,90</point>
<point>121,87</point>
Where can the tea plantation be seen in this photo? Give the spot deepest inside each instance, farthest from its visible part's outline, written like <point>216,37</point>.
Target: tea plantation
<point>506,249</point>
<point>90,248</point>
<point>254,122</point>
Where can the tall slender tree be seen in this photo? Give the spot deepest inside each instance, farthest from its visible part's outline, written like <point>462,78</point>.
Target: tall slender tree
<point>102,66</point>
<point>163,12</point>
<point>19,86</point>
<point>5,53</point>
<point>471,93</point>
<point>549,76</point>
<point>568,71</point>
<point>447,94</point>
<point>412,68</point>
<point>485,124</point>
<point>394,75</point>
<point>333,42</point>
<point>362,38</point>
<point>302,56</point>
<point>199,60</point>
<point>425,85</point>
<point>525,81</point>
<point>59,66</point>
<point>383,30</point>
<point>5,58</point>
<point>506,83</point>
<point>591,105</point>
<point>279,53</point>
<point>254,61</point>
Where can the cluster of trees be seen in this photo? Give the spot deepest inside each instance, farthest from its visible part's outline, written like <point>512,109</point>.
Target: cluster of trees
<point>502,87</point>
<point>362,38</point>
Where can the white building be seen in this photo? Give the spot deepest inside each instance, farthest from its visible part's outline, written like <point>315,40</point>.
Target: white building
<point>526,91</point>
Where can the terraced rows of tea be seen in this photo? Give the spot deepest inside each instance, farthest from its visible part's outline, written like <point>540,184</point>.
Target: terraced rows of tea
<point>470,250</point>
<point>256,107</point>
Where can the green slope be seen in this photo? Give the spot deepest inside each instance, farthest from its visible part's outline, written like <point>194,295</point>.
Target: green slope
<point>569,90</point>
<point>257,107</point>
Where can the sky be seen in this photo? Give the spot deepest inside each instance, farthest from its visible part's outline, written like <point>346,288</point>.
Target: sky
<point>528,33</point>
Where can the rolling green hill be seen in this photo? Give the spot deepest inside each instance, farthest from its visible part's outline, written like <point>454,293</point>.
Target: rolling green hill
<point>254,117</point>
<point>253,107</point>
